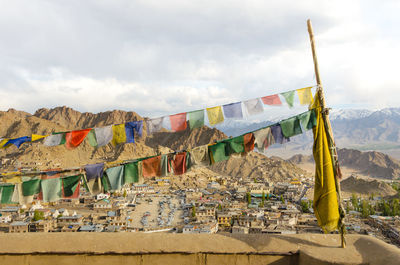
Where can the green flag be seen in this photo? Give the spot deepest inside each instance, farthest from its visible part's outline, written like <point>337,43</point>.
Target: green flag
<point>291,127</point>
<point>70,184</point>
<point>196,119</point>
<point>131,172</point>
<point>289,97</point>
<point>31,187</point>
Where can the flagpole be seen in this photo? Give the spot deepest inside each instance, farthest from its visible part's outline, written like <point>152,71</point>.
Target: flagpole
<point>332,146</point>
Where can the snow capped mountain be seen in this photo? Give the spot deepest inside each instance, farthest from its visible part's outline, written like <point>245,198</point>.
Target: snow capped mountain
<point>349,114</point>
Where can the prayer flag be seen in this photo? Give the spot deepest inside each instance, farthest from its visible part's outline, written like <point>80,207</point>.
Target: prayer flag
<point>115,177</point>
<point>233,110</point>
<point>271,100</point>
<point>130,132</point>
<point>31,187</point>
<point>136,126</point>
<point>131,172</point>
<point>165,166</point>
<point>217,152</point>
<point>36,137</point>
<point>196,119</point>
<point>279,138</point>
<point>325,203</point>
<point>253,106</point>
<point>19,141</point>
<point>104,135</point>
<point>248,140</point>
<point>119,135</point>
<point>178,122</point>
<point>305,95</point>
<point>308,119</point>
<point>200,155</point>
<point>234,145</point>
<point>51,189</point>
<point>75,138</point>
<point>215,115</point>
<point>70,187</point>
<point>179,163</point>
<point>151,167</point>
<point>154,125</point>
<point>55,139</point>
<point>263,138</point>
<point>289,97</point>
<point>93,177</point>
<point>291,127</point>
<point>3,143</point>
<point>7,193</point>
<point>91,137</point>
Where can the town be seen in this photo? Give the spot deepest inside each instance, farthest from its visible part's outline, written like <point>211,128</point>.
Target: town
<point>226,205</point>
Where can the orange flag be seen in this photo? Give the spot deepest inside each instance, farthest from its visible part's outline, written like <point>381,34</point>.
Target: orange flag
<point>75,138</point>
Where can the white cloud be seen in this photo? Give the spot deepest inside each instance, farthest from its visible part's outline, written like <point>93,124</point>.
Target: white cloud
<point>165,57</point>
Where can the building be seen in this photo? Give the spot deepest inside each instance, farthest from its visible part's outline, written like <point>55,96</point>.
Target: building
<point>102,205</point>
<point>224,219</point>
<point>41,226</point>
<point>205,214</point>
<point>19,227</point>
<point>69,220</point>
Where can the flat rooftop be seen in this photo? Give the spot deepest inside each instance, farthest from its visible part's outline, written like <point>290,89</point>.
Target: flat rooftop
<point>162,248</point>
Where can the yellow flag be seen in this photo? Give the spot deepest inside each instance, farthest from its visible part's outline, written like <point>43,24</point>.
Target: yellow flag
<point>3,143</point>
<point>119,135</point>
<point>36,137</point>
<point>12,178</point>
<point>326,207</point>
<point>215,115</point>
<point>305,95</point>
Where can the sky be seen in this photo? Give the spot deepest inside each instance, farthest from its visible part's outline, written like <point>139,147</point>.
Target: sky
<point>164,57</point>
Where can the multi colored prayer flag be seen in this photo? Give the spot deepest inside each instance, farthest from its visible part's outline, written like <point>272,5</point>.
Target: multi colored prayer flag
<point>196,119</point>
<point>215,115</point>
<point>305,95</point>
<point>119,134</point>
<point>271,100</point>
<point>178,122</point>
<point>291,127</point>
<point>75,138</point>
<point>253,106</point>
<point>233,110</point>
<point>289,97</point>
<point>154,125</point>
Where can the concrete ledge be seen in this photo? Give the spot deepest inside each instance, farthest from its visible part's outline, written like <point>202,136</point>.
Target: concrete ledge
<point>140,248</point>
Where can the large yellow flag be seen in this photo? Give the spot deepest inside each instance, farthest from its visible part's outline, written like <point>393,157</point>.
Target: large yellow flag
<point>325,205</point>
<point>119,135</point>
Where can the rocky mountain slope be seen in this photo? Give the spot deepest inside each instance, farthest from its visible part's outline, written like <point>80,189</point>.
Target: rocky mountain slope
<point>371,163</point>
<point>44,121</point>
<point>366,187</point>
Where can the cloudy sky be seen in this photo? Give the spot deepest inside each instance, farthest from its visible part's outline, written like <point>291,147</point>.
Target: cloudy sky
<point>163,57</point>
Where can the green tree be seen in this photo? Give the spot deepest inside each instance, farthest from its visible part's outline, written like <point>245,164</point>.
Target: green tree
<point>125,194</point>
<point>193,211</point>
<point>282,199</point>
<point>255,180</point>
<point>354,202</point>
<point>364,209</point>
<point>38,215</point>
<point>395,207</point>
<point>347,207</point>
<point>248,198</point>
<point>304,206</point>
<point>219,207</point>
<point>263,197</point>
<point>386,209</point>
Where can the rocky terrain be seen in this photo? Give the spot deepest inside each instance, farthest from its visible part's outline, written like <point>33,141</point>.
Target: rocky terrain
<point>44,121</point>
<point>366,187</point>
<point>373,164</point>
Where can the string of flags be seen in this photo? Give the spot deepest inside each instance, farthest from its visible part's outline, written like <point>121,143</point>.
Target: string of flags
<point>126,132</point>
<point>53,185</point>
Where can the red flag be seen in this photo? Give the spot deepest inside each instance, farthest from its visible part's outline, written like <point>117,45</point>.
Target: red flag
<point>179,163</point>
<point>271,100</point>
<point>151,167</point>
<point>178,122</point>
<point>248,142</point>
<point>75,138</point>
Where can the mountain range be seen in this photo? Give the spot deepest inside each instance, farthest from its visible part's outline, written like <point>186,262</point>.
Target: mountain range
<point>45,121</point>
<point>352,128</point>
